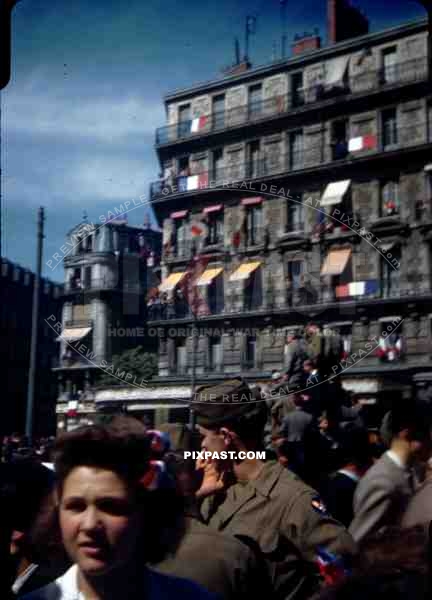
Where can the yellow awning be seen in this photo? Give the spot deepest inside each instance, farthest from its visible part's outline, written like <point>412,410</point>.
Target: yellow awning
<point>208,275</point>
<point>244,271</point>
<point>171,281</point>
<point>336,261</point>
<point>72,334</point>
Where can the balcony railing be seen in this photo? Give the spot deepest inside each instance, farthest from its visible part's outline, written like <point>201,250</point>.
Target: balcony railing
<point>78,285</point>
<point>400,73</point>
<point>315,156</point>
<point>293,300</point>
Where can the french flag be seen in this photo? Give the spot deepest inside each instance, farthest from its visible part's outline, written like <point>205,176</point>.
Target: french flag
<point>197,182</point>
<point>365,142</point>
<point>198,124</point>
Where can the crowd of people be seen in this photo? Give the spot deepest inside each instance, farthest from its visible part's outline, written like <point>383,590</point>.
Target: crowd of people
<point>334,511</point>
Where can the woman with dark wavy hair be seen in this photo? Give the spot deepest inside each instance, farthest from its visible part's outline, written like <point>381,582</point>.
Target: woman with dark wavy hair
<point>114,517</point>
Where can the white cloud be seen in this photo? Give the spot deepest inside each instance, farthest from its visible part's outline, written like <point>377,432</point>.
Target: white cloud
<point>87,118</point>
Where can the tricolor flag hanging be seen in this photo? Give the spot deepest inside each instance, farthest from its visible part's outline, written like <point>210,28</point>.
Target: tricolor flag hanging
<point>198,124</point>
<point>365,142</point>
<point>197,182</point>
<point>357,288</point>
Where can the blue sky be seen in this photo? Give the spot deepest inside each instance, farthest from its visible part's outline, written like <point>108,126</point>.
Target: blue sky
<point>79,116</point>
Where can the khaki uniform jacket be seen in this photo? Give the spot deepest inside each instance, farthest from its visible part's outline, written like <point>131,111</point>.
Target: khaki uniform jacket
<point>289,523</point>
<point>219,562</point>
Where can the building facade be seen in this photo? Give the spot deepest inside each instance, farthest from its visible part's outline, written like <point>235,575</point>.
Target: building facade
<point>295,193</point>
<point>15,337</point>
<point>107,276</point>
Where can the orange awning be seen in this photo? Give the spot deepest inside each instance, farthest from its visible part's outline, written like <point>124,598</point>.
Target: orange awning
<point>336,261</point>
<point>244,271</point>
<point>171,281</point>
<point>208,275</point>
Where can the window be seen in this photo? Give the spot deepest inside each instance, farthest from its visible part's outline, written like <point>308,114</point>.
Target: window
<point>295,217</point>
<point>254,163</point>
<point>181,237</point>
<point>181,356</point>
<point>389,128</point>
<point>294,274</point>
<point>296,149</point>
<point>183,166</point>
<point>250,354</point>
<point>297,94</point>
<point>215,295</point>
<point>389,65</point>
<point>215,228</point>
<point>218,111</point>
<point>87,277</point>
<point>184,120</point>
<point>253,225</point>
<point>339,139</point>
<point>75,280</point>
<point>88,242</point>
<point>215,354</point>
<point>218,165</point>
<point>390,272</point>
<point>338,338</point>
<point>390,204</point>
<point>255,101</point>
<point>253,291</point>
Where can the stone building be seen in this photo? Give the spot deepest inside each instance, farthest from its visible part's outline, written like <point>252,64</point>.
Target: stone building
<point>108,272</point>
<point>16,284</point>
<point>296,193</point>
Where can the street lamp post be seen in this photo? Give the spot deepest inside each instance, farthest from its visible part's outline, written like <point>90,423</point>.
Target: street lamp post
<point>35,324</point>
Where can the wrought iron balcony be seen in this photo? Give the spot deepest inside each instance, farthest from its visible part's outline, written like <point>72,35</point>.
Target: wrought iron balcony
<point>295,299</point>
<point>315,156</point>
<point>401,73</point>
<point>75,285</point>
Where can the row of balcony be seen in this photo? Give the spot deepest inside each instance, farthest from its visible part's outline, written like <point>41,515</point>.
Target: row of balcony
<point>304,299</point>
<point>392,75</point>
<point>389,138</point>
<point>75,284</point>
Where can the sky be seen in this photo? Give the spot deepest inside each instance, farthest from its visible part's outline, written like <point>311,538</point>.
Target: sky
<point>86,96</point>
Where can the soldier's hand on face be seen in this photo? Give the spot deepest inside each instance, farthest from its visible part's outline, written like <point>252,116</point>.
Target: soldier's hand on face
<point>214,479</point>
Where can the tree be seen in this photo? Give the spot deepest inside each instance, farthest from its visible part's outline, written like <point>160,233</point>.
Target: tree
<point>136,362</point>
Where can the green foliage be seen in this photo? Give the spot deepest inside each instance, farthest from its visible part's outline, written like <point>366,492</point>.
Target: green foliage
<point>138,363</point>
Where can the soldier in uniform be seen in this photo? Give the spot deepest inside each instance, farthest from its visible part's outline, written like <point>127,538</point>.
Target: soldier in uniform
<point>286,518</point>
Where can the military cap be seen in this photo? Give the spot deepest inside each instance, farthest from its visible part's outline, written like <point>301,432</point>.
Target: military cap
<point>215,405</point>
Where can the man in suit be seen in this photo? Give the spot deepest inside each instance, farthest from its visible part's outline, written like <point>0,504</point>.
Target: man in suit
<point>381,497</point>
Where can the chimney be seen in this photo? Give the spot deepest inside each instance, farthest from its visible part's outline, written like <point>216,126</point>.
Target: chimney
<point>344,21</point>
<point>305,44</point>
<point>237,69</point>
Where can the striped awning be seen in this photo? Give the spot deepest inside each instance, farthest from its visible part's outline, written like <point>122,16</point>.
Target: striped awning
<point>171,281</point>
<point>244,271</point>
<point>214,208</point>
<point>336,261</point>
<point>251,201</point>
<point>72,334</point>
<point>335,192</point>
<point>179,214</point>
<point>208,275</point>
